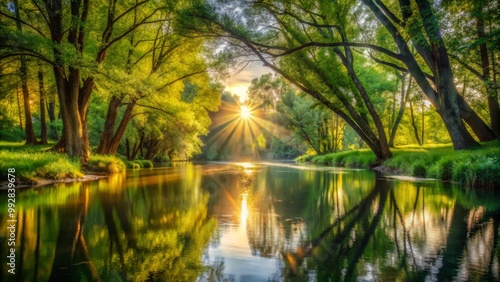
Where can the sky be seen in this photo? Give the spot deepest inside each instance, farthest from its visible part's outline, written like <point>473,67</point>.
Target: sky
<point>239,82</point>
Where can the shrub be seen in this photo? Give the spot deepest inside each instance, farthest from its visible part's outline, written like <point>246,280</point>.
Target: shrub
<point>60,169</point>
<point>144,163</point>
<point>418,169</point>
<point>318,159</point>
<point>105,163</point>
<point>444,168</point>
<point>132,165</point>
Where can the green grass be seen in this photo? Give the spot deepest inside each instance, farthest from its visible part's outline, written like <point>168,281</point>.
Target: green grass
<point>354,159</point>
<point>144,163</point>
<point>105,163</point>
<point>32,166</point>
<point>20,147</point>
<point>478,167</point>
<point>132,165</point>
<point>36,162</point>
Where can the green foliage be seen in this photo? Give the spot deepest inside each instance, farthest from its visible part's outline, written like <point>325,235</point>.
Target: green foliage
<point>132,165</point>
<point>354,158</point>
<point>145,163</point>
<point>304,158</point>
<point>209,152</point>
<point>477,167</point>
<point>418,169</point>
<point>105,163</point>
<point>60,169</point>
<point>8,130</point>
<point>32,166</point>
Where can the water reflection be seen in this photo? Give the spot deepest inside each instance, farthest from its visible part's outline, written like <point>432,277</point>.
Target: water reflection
<point>254,222</point>
<point>328,225</point>
<point>118,229</point>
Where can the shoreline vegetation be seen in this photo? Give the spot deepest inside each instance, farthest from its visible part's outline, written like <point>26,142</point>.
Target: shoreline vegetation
<point>478,168</point>
<point>36,165</point>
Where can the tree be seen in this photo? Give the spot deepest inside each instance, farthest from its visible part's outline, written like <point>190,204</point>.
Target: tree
<point>298,30</point>
<point>468,46</point>
<point>303,118</point>
<point>174,133</point>
<point>422,27</point>
<point>157,58</point>
<point>75,40</point>
<point>316,72</point>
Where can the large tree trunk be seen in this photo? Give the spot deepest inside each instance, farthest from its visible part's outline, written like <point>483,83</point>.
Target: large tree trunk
<point>491,89</point>
<point>109,125</point>
<point>73,94</point>
<point>120,131</point>
<point>30,132</point>
<point>110,139</point>
<point>23,70</point>
<point>348,61</point>
<point>480,128</point>
<point>73,112</point>
<point>445,99</point>
<point>448,107</point>
<point>43,130</point>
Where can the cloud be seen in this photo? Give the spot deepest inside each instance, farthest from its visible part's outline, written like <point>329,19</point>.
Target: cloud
<point>239,82</point>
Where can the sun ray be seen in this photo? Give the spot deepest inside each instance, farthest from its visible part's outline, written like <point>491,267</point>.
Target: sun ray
<point>245,112</point>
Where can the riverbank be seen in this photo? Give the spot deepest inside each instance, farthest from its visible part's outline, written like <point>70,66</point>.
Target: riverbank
<point>34,165</point>
<point>478,167</point>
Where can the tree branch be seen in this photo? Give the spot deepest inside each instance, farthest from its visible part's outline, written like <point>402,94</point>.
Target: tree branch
<point>338,44</point>
<point>388,13</point>
<point>181,78</point>
<point>154,108</point>
<point>24,23</point>
<point>468,67</point>
<point>34,55</point>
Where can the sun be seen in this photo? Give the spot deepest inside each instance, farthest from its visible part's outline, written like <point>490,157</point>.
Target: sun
<point>245,112</point>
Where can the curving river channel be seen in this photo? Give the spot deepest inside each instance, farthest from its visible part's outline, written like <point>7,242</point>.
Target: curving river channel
<point>253,222</point>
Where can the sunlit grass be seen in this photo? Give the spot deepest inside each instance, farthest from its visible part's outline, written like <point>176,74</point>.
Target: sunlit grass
<point>20,146</point>
<point>478,167</point>
<point>33,166</point>
<point>106,164</point>
<point>36,162</point>
<point>354,158</point>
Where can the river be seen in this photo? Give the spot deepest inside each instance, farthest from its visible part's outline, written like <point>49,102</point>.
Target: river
<point>253,222</point>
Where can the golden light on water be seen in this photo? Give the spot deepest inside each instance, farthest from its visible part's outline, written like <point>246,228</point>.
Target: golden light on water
<point>244,210</point>
<point>245,112</point>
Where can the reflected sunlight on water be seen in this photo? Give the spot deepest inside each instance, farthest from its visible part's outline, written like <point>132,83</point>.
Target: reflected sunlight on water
<point>255,222</point>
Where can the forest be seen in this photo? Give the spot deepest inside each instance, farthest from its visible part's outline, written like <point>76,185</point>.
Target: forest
<point>144,80</point>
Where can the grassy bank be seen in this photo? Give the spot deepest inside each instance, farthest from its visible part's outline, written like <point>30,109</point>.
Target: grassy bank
<point>476,167</point>
<point>35,162</point>
<point>137,164</point>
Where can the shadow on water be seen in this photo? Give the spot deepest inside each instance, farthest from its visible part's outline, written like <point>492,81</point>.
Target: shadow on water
<point>248,222</point>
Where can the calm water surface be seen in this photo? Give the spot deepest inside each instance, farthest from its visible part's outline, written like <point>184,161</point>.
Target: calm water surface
<point>253,222</point>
